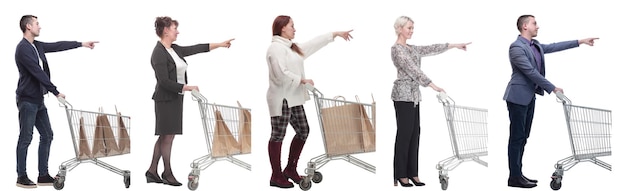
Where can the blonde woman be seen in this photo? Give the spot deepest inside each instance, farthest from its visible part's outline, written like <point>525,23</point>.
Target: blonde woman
<point>406,96</point>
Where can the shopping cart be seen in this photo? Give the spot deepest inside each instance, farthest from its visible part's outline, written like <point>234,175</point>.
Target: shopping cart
<point>589,134</point>
<point>346,129</point>
<point>467,127</point>
<point>98,131</point>
<point>222,126</point>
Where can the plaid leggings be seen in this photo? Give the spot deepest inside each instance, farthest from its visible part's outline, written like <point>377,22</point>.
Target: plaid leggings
<point>294,116</point>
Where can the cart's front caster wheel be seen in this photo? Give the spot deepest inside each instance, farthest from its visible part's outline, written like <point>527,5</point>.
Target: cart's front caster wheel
<point>58,183</point>
<point>127,181</point>
<point>317,177</point>
<point>305,184</point>
<point>193,183</point>
<point>555,185</point>
<point>444,182</point>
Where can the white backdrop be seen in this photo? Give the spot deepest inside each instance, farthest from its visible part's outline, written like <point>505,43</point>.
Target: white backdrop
<point>118,73</point>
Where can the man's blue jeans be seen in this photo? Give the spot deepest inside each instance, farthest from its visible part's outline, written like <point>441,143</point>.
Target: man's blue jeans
<point>33,115</point>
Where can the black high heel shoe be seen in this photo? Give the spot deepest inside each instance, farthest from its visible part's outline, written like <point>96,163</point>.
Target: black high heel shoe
<point>416,182</point>
<point>152,178</point>
<point>395,183</point>
<point>165,181</point>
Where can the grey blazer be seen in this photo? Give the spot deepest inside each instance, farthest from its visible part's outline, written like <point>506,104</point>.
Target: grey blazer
<point>521,88</point>
<point>167,87</point>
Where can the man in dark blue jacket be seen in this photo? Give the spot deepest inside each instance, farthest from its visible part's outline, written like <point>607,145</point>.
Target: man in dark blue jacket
<point>34,82</point>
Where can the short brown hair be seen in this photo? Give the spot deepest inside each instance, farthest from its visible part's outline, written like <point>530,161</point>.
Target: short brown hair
<point>25,20</point>
<point>523,20</point>
<point>163,22</point>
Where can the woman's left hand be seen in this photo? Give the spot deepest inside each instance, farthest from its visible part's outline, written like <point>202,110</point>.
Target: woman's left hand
<point>343,34</point>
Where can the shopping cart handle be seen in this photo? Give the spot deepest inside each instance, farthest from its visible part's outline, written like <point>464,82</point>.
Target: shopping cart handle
<point>444,98</point>
<point>197,96</point>
<point>314,90</point>
<point>562,98</point>
<point>309,87</point>
<point>64,102</point>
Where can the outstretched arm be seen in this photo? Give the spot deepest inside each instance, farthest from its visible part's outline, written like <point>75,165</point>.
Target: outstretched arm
<point>225,44</point>
<point>310,47</point>
<point>200,48</point>
<point>434,49</point>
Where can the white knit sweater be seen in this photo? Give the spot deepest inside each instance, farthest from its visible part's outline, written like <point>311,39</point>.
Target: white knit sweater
<point>286,70</point>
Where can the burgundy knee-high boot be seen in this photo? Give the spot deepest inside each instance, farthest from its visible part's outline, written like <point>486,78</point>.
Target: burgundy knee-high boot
<point>292,163</point>
<point>277,180</point>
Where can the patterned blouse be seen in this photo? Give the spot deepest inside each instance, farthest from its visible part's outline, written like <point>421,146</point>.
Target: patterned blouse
<point>407,60</point>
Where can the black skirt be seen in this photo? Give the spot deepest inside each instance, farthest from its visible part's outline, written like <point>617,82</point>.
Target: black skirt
<point>169,117</point>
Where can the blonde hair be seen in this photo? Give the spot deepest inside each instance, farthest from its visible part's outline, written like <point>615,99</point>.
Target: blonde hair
<point>400,22</point>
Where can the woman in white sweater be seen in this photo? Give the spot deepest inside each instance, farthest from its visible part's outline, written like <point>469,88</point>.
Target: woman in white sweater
<point>286,94</point>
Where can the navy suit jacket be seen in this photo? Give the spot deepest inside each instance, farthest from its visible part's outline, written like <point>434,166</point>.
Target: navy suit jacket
<point>527,79</point>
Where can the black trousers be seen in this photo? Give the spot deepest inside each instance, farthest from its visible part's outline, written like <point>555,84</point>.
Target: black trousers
<point>521,117</point>
<point>405,159</point>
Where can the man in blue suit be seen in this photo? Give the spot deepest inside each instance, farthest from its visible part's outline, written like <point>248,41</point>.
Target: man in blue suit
<point>527,61</point>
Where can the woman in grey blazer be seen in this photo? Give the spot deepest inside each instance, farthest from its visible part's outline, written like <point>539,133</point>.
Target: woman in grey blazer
<point>170,70</point>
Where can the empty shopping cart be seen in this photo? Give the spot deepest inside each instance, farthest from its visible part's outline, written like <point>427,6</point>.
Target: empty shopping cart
<point>347,128</point>
<point>467,127</point>
<point>95,135</point>
<point>227,131</point>
<point>589,132</point>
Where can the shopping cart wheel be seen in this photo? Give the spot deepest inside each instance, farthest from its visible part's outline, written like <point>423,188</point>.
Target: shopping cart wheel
<point>127,180</point>
<point>444,182</point>
<point>305,184</point>
<point>555,184</point>
<point>317,177</point>
<point>59,182</point>
<point>192,184</point>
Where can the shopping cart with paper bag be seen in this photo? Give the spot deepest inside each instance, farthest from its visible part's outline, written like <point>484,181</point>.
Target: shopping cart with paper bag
<point>467,127</point>
<point>227,130</point>
<point>95,135</point>
<point>589,132</point>
<point>348,128</point>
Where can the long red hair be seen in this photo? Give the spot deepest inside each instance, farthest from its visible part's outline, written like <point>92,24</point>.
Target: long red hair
<point>277,30</point>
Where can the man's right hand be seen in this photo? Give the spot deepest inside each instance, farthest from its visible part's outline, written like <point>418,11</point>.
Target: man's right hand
<point>60,95</point>
<point>190,88</point>
<point>556,89</point>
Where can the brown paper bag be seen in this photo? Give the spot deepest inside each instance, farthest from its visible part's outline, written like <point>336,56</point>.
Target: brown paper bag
<point>99,148</point>
<point>245,131</point>
<point>123,137</point>
<point>104,139</point>
<point>109,137</point>
<point>224,142</point>
<point>369,132</point>
<point>84,152</point>
<point>342,127</point>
